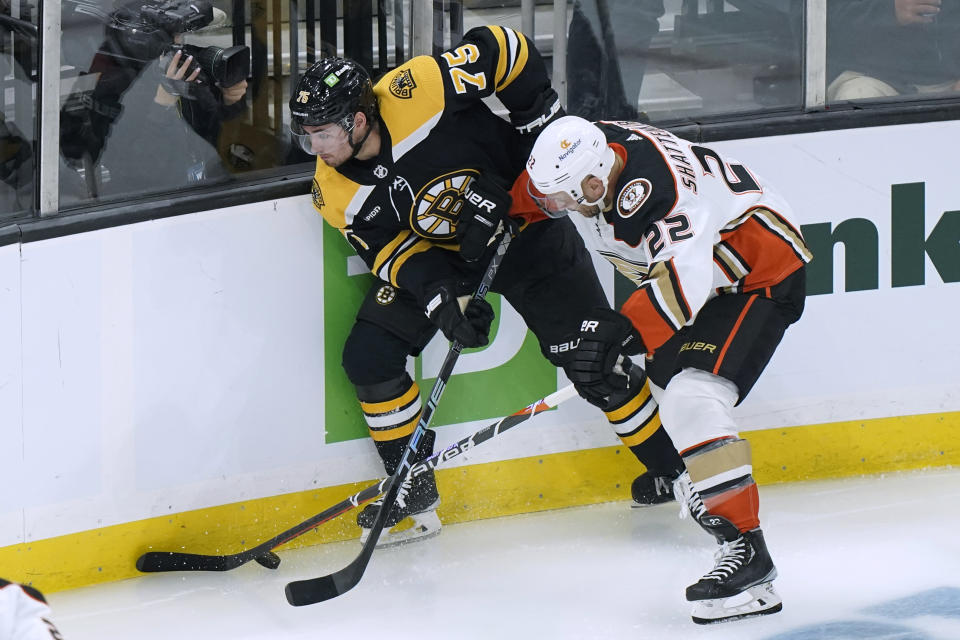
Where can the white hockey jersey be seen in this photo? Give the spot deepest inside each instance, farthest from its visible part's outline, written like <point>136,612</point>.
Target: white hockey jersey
<point>24,614</point>
<point>687,225</point>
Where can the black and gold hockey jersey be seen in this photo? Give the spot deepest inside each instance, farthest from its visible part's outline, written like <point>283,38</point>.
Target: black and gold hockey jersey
<point>400,209</point>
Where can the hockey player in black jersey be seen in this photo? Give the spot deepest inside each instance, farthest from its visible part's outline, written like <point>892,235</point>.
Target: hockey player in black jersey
<point>719,268</point>
<point>416,172</point>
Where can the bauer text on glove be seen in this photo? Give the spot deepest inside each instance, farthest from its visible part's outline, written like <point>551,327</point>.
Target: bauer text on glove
<point>600,366</point>
<point>486,205</point>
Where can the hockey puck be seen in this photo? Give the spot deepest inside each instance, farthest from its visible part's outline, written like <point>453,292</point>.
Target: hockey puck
<point>270,560</point>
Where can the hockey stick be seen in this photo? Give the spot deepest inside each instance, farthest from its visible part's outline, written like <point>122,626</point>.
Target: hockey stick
<point>301,592</point>
<point>154,561</point>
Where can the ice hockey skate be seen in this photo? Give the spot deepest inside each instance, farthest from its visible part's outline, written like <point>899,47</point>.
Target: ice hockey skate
<point>740,584</point>
<point>413,516</point>
<point>650,489</point>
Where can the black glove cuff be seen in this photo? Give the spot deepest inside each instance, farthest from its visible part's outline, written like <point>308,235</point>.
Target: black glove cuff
<point>544,110</point>
<point>436,295</point>
<point>617,326</point>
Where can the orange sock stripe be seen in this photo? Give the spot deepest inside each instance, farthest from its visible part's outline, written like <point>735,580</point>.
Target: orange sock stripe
<point>741,506</point>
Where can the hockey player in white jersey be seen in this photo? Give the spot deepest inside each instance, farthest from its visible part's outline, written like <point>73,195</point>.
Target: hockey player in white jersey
<point>719,268</point>
<point>24,614</point>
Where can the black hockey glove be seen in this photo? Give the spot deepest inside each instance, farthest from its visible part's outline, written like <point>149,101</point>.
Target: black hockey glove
<point>486,205</point>
<point>468,327</point>
<point>545,109</point>
<point>600,366</point>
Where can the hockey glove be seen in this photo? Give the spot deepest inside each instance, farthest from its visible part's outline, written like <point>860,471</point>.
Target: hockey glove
<point>487,204</point>
<point>600,366</point>
<point>545,109</point>
<point>468,326</point>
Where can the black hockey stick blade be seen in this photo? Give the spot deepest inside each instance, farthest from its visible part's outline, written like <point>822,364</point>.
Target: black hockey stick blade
<point>157,561</point>
<point>313,590</point>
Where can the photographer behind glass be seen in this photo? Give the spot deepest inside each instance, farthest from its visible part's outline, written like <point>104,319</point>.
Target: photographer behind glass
<point>208,84</point>
<point>151,87</point>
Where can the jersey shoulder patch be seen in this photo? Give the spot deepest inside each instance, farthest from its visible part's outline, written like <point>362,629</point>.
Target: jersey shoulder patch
<point>332,193</point>
<point>632,196</point>
<point>411,98</point>
<point>402,84</point>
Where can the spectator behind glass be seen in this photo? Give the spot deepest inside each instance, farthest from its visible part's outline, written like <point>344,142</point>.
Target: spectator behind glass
<point>144,93</point>
<point>607,56</point>
<point>885,48</point>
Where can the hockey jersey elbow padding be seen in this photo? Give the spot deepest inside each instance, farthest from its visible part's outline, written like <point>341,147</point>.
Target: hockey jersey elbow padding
<point>658,308</point>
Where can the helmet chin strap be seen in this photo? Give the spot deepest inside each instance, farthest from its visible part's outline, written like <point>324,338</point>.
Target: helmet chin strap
<point>356,145</point>
<point>603,195</point>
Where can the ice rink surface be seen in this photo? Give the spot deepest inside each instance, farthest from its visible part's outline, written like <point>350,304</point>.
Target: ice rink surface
<point>873,558</point>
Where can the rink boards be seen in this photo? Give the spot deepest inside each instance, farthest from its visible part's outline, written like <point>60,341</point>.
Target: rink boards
<point>176,383</point>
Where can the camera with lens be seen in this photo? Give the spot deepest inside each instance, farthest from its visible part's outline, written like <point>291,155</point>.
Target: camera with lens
<point>145,31</point>
<point>178,16</point>
<point>225,67</point>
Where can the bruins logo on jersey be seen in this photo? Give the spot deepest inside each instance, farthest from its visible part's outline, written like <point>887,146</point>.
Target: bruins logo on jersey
<point>437,207</point>
<point>403,84</point>
<point>317,195</point>
<point>386,294</point>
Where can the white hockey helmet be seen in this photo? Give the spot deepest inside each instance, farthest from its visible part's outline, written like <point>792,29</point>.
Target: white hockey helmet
<point>568,150</point>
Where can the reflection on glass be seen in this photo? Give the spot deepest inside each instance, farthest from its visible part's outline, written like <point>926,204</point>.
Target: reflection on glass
<point>142,111</point>
<point>18,56</point>
<point>675,59</point>
<point>884,48</point>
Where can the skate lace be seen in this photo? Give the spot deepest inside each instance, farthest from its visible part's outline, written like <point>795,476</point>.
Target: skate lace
<point>729,558</point>
<point>687,496</point>
<point>401,500</point>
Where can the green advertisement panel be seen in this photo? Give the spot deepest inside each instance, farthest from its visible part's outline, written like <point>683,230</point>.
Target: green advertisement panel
<point>478,395</point>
